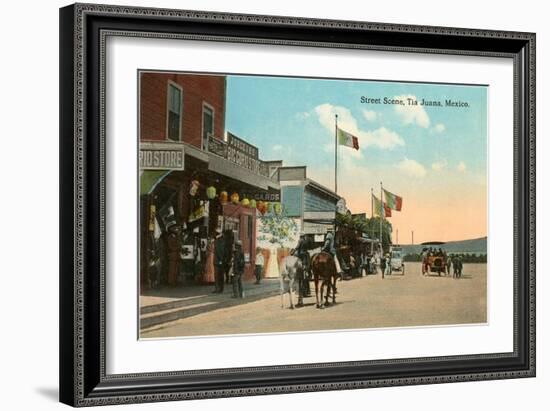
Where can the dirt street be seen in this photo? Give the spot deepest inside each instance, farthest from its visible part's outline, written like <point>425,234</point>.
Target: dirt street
<point>367,302</point>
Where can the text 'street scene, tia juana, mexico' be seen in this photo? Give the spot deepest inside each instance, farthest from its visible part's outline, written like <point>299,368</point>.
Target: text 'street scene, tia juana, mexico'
<point>283,204</point>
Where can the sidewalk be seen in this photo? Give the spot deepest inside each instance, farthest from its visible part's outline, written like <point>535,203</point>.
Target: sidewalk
<point>170,304</point>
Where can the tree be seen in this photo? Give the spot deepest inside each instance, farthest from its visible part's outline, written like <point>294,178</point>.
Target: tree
<point>373,230</point>
<point>369,226</point>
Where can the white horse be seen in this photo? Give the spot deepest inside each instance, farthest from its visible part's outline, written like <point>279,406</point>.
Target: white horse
<point>291,274</point>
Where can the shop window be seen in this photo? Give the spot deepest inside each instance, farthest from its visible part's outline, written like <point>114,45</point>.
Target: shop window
<point>232,223</point>
<point>175,106</point>
<point>207,124</point>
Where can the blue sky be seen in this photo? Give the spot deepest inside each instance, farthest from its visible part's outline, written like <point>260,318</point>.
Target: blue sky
<point>415,150</point>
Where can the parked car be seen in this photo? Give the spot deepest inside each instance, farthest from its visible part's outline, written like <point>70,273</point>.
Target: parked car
<point>396,260</point>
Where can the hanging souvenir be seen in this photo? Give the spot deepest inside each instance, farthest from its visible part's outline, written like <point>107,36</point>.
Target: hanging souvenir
<point>211,192</point>
<point>194,188</point>
<point>235,198</point>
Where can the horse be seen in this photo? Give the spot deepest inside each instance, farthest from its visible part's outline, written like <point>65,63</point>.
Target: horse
<point>323,268</point>
<point>292,275</point>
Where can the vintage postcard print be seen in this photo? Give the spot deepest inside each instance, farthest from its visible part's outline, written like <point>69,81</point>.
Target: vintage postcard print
<point>284,204</point>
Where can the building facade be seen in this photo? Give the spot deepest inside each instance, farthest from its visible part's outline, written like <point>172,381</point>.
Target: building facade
<point>195,179</point>
<point>313,204</point>
<point>181,107</point>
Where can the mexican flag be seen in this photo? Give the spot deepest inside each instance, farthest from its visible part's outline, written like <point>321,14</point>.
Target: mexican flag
<point>378,205</point>
<point>393,201</point>
<point>347,139</point>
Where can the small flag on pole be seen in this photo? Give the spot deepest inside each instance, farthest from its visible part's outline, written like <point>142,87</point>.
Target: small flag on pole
<point>393,201</point>
<point>347,139</point>
<point>378,205</point>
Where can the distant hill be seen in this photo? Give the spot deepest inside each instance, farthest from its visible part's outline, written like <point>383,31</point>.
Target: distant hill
<point>472,246</point>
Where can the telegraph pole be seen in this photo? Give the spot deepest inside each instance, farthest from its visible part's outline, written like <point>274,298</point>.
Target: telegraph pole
<point>336,153</point>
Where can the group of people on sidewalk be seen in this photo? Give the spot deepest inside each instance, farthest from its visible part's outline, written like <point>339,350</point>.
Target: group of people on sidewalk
<point>229,263</point>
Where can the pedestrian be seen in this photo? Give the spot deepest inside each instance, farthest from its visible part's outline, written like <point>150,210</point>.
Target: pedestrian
<point>363,263</point>
<point>219,267</point>
<point>238,270</point>
<point>301,251</point>
<point>229,239</point>
<point>154,272</point>
<point>383,264</point>
<point>259,265</point>
<point>173,244</point>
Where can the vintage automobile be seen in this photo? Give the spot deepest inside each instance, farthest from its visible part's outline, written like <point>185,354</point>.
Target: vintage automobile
<point>433,260</point>
<point>396,260</point>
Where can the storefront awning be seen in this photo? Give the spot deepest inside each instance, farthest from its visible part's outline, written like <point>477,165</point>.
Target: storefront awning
<point>149,180</point>
<point>227,168</point>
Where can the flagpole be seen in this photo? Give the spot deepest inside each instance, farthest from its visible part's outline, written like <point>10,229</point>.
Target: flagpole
<point>382,215</point>
<point>336,153</point>
<point>372,209</point>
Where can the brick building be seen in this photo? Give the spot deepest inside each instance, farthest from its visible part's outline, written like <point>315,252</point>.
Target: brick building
<point>187,160</point>
<point>181,107</point>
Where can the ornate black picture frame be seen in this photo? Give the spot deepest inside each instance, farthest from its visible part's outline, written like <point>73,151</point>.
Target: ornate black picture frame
<point>83,30</point>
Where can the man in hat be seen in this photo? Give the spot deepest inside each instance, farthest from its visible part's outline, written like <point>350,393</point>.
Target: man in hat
<point>219,268</point>
<point>330,247</point>
<point>228,239</point>
<point>301,251</point>
<point>173,244</point>
<point>383,264</point>
<point>238,270</point>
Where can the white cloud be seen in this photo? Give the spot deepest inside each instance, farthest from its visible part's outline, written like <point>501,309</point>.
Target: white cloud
<point>461,167</point>
<point>412,114</point>
<point>302,115</point>
<point>381,137</point>
<point>439,165</point>
<point>439,128</point>
<point>277,147</point>
<point>411,168</point>
<point>370,115</point>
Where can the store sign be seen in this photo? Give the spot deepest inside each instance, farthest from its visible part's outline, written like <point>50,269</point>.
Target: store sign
<point>242,146</point>
<point>319,238</point>
<point>217,146</point>
<point>274,196</point>
<point>315,228</point>
<point>157,156</point>
<point>239,152</point>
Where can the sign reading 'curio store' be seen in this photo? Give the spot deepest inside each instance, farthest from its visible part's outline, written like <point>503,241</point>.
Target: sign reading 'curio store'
<point>157,156</point>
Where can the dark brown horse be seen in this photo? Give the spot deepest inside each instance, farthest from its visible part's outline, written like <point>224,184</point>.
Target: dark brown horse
<point>323,268</point>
